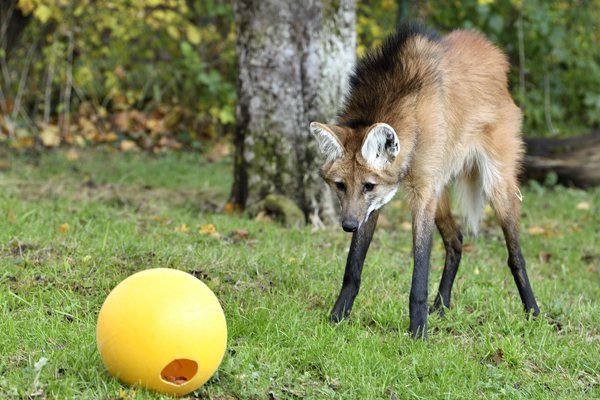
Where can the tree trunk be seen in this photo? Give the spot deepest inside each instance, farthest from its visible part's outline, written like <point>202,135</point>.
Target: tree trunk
<point>293,60</point>
<point>576,160</point>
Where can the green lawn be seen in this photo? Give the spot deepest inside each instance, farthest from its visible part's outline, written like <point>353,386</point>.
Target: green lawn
<point>127,213</point>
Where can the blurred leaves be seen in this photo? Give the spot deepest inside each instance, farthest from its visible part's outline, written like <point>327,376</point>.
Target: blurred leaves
<point>150,75</point>
<point>171,61</point>
<point>561,47</point>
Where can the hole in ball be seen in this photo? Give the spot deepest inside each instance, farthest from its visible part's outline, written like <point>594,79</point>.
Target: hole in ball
<point>179,371</point>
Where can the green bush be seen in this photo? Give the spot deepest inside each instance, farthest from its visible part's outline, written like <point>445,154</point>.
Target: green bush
<point>80,63</point>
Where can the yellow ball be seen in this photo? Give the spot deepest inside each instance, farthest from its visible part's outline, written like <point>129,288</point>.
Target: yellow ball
<point>163,329</point>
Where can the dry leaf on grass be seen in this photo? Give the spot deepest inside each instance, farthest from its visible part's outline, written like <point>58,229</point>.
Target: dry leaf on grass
<point>242,233</point>
<point>72,155</point>
<point>544,257</point>
<point>50,136</point>
<point>128,145</point>
<point>219,151</point>
<point>498,357</point>
<point>583,206</point>
<point>232,209</point>
<point>536,230</point>
<point>183,228</point>
<point>209,230</point>
<point>64,228</point>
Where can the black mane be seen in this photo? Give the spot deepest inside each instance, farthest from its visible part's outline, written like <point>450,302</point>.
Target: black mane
<point>382,77</point>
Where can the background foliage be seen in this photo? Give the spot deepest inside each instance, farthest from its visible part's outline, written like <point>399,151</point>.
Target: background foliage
<point>155,74</point>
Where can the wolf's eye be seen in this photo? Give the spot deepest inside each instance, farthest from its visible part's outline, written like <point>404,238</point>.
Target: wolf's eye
<point>340,186</point>
<point>369,186</point>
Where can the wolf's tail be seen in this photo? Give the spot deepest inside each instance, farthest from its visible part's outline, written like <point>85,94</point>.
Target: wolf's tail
<point>474,186</point>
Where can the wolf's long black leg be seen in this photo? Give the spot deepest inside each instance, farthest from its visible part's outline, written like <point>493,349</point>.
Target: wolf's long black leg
<point>361,239</point>
<point>507,210</point>
<point>516,263</point>
<point>453,244</point>
<point>423,225</point>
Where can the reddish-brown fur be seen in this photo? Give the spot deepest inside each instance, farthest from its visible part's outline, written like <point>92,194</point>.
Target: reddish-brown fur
<point>454,120</point>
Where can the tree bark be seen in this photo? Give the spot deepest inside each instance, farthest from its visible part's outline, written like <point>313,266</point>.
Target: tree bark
<point>575,160</point>
<point>293,60</point>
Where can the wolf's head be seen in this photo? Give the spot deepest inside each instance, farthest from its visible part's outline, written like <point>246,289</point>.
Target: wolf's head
<point>360,167</point>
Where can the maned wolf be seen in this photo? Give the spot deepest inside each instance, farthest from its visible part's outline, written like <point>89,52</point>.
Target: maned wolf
<point>423,111</point>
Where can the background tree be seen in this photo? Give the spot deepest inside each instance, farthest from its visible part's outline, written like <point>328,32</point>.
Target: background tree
<point>293,58</point>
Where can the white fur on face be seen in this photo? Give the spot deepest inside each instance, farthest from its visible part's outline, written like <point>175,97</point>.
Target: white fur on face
<point>329,145</point>
<point>376,206</point>
<point>381,146</point>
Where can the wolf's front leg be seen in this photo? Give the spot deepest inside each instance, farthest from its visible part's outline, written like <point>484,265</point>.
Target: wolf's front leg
<point>361,239</point>
<point>423,226</point>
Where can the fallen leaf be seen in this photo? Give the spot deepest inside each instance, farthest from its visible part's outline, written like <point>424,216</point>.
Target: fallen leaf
<point>583,206</point>
<point>467,247</point>
<point>183,228</point>
<point>50,137</point>
<point>242,233</point>
<point>126,393</point>
<point>219,151</point>
<point>232,209</point>
<point>498,357</point>
<point>169,143</point>
<point>207,229</point>
<point>72,155</point>
<point>64,228</point>
<point>25,142</point>
<point>110,137</point>
<point>128,145</point>
<point>406,226</point>
<point>121,120</point>
<point>291,260</point>
<point>476,271</point>
<point>86,126</point>
<point>544,257</point>
<point>536,230</point>
<point>138,117</point>
<point>488,209</point>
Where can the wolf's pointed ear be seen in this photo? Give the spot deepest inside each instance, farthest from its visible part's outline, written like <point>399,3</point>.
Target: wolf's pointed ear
<point>381,146</point>
<point>330,140</point>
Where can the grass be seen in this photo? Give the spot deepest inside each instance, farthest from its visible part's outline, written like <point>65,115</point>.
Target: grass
<point>127,213</point>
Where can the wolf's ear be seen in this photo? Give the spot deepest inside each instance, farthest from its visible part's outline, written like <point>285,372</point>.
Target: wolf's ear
<point>381,146</point>
<point>330,140</point>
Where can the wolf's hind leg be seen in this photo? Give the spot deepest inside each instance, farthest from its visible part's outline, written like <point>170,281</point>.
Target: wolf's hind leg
<point>453,244</point>
<point>506,204</point>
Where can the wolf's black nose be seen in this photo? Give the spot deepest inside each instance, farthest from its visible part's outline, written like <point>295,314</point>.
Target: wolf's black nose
<point>350,225</point>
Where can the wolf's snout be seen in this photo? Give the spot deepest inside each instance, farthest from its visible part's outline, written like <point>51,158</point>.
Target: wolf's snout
<point>349,224</point>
